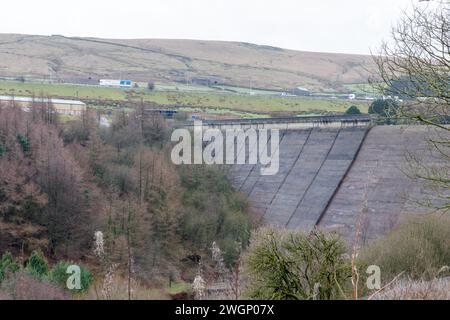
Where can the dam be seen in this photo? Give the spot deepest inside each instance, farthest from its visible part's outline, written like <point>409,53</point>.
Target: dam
<point>331,169</point>
<point>380,187</point>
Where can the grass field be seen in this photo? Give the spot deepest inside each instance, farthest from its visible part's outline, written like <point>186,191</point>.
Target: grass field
<point>59,90</point>
<point>194,97</point>
<point>362,88</point>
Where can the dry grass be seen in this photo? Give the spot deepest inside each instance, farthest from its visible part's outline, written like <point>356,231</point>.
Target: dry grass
<point>119,291</point>
<point>238,64</point>
<point>22,286</point>
<point>419,247</point>
<point>405,289</point>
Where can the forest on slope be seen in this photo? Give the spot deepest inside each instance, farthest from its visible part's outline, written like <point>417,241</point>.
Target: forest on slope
<point>62,182</point>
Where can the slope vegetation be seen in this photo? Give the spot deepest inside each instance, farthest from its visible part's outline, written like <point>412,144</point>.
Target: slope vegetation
<point>232,63</point>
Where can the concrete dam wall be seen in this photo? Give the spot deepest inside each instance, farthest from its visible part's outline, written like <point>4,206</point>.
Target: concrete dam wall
<point>327,175</point>
<point>313,163</point>
<point>378,189</point>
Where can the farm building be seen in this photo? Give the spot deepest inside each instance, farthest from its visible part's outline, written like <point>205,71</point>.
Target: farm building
<point>69,107</point>
<point>300,91</point>
<point>206,81</point>
<point>115,83</point>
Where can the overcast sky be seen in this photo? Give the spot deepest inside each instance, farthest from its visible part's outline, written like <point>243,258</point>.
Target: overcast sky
<point>351,26</point>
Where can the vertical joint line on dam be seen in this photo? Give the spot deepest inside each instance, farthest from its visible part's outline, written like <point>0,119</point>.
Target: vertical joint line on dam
<point>313,179</point>
<point>322,214</point>
<point>257,180</point>
<point>287,173</point>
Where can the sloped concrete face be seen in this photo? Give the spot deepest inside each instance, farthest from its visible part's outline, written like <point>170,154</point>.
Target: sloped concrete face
<point>339,178</point>
<point>312,164</point>
<point>377,190</point>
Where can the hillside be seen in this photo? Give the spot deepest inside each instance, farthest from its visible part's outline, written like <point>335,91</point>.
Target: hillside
<point>231,63</point>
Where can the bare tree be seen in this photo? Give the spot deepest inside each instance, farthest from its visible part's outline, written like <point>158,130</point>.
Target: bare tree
<point>415,66</point>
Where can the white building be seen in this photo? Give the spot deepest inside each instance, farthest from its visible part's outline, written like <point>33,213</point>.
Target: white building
<point>115,83</point>
<point>70,107</point>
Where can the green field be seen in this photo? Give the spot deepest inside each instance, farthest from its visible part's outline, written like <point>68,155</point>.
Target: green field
<point>60,90</point>
<point>362,88</point>
<point>183,96</point>
<point>228,112</point>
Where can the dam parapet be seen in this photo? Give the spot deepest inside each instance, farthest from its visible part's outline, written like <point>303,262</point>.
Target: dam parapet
<point>290,123</point>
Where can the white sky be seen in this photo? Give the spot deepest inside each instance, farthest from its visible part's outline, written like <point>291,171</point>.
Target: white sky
<point>350,26</point>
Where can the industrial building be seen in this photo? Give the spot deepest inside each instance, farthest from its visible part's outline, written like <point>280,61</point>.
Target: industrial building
<point>69,107</point>
<point>115,83</point>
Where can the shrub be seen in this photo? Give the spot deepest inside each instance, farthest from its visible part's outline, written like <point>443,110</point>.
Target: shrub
<point>353,110</point>
<point>383,107</point>
<point>291,265</point>
<point>74,131</point>
<point>23,286</point>
<point>420,246</point>
<point>213,211</point>
<point>7,265</point>
<point>37,264</point>
<point>59,276</point>
<point>24,142</point>
<point>2,149</point>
